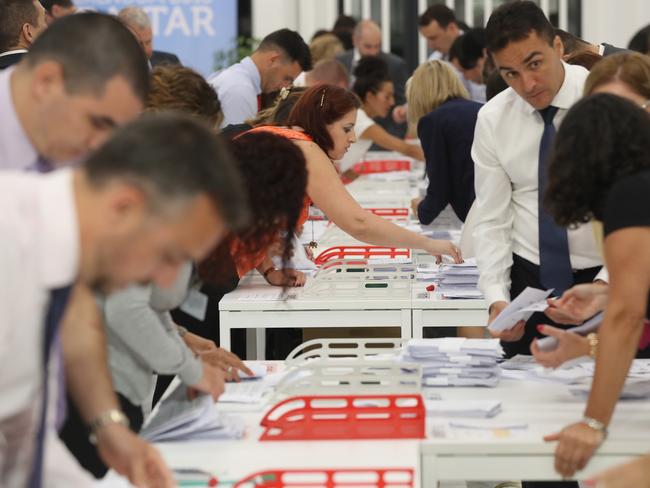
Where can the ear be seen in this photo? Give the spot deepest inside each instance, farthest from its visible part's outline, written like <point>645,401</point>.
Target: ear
<point>126,207</point>
<point>27,33</point>
<point>47,80</point>
<point>558,46</point>
<point>274,58</point>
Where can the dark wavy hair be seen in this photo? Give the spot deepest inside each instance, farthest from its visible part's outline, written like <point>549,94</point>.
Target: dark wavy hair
<point>275,174</point>
<point>319,106</point>
<point>602,139</point>
<point>369,75</point>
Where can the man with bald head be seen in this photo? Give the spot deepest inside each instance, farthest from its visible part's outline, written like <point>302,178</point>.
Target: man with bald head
<point>367,42</point>
<point>137,20</point>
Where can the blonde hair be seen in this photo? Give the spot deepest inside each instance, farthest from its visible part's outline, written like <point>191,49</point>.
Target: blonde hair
<point>325,47</point>
<point>432,84</point>
<point>633,69</point>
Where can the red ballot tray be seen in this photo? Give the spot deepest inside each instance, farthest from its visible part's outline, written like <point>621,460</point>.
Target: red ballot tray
<point>381,166</point>
<point>330,478</point>
<point>346,417</point>
<point>361,252</point>
<point>390,213</point>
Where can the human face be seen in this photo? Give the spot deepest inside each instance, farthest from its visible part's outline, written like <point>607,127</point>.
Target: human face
<point>440,38</point>
<point>280,74</point>
<point>145,38</point>
<point>622,89</point>
<point>369,42</point>
<point>139,247</point>
<point>65,127</point>
<point>57,12</point>
<point>342,134</point>
<point>532,68</point>
<point>379,104</point>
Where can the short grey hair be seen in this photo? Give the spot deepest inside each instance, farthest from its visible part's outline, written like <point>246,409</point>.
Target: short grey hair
<point>135,17</point>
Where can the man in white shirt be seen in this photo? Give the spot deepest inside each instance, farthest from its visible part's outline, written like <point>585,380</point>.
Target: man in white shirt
<point>162,191</point>
<point>517,243</point>
<point>279,59</point>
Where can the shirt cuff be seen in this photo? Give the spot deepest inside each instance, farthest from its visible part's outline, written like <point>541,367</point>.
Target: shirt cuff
<point>496,293</point>
<point>603,275</point>
<point>192,371</point>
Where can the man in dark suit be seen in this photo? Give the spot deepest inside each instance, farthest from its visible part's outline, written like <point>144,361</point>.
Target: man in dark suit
<point>367,42</point>
<point>573,44</point>
<point>21,21</point>
<point>138,22</point>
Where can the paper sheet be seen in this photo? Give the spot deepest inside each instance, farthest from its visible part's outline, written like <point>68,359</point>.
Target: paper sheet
<point>529,301</point>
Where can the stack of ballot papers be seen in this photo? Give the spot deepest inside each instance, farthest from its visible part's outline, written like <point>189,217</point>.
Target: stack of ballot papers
<point>528,302</point>
<point>464,408</point>
<point>179,419</point>
<point>455,361</point>
<point>453,281</point>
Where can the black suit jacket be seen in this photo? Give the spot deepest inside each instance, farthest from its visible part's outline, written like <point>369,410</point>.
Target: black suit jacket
<point>10,59</point>
<point>399,73</point>
<point>161,57</point>
<point>609,49</point>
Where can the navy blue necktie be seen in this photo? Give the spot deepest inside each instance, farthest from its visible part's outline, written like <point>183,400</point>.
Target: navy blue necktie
<point>58,301</point>
<point>554,261</point>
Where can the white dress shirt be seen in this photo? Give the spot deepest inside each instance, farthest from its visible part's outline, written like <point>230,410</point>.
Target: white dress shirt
<point>16,150</point>
<point>506,152</point>
<point>358,149</point>
<point>39,251</point>
<point>238,87</point>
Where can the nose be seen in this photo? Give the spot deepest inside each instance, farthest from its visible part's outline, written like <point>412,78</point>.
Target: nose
<point>97,139</point>
<point>529,83</point>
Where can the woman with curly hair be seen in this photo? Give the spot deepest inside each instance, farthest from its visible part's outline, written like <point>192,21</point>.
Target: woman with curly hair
<point>600,171</point>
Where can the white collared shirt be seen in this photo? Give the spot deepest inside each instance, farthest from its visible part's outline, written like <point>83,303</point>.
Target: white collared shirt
<point>238,87</point>
<point>506,152</point>
<point>16,150</point>
<point>39,251</point>
<point>13,51</point>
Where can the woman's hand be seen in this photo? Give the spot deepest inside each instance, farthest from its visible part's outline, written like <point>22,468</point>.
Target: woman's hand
<point>578,304</point>
<point>198,344</point>
<point>414,151</point>
<point>286,277</point>
<point>577,443</point>
<point>439,248</point>
<point>634,473</point>
<point>227,362</point>
<point>414,206</point>
<point>570,346</point>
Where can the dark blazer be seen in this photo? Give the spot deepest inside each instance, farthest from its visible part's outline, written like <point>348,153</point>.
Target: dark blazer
<point>446,135</point>
<point>161,57</point>
<point>609,49</point>
<point>399,73</point>
<point>10,59</point>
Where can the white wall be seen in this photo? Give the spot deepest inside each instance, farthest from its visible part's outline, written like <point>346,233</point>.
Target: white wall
<point>305,16</point>
<point>614,22</point>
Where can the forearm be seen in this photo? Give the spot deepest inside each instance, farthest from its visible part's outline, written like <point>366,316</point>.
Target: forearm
<point>378,231</point>
<point>85,358</point>
<point>618,339</point>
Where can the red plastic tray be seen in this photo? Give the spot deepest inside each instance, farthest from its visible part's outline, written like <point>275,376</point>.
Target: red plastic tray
<point>346,417</point>
<point>330,478</point>
<point>398,213</point>
<point>360,252</point>
<point>381,166</point>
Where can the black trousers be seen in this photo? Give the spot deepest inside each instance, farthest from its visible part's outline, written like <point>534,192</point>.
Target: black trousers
<point>522,274</point>
<point>75,435</point>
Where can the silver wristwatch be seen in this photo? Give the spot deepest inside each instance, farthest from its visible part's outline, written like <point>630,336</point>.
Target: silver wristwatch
<point>112,416</point>
<point>596,425</point>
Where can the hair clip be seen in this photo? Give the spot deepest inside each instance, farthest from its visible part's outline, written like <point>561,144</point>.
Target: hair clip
<point>322,98</point>
<point>284,92</point>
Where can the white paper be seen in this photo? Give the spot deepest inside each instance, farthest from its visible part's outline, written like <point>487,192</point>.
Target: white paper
<point>195,305</point>
<point>521,308</point>
<point>464,408</point>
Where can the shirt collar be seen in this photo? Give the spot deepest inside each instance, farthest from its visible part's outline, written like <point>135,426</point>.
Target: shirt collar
<point>58,229</point>
<point>12,134</point>
<point>570,91</point>
<point>13,51</point>
<point>254,73</point>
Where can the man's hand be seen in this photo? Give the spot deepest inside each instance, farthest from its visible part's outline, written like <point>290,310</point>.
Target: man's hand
<point>212,382</point>
<point>131,456</point>
<point>198,344</point>
<point>577,443</point>
<point>399,114</point>
<point>578,303</point>
<point>570,346</point>
<point>226,361</point>
<point>510,335</point>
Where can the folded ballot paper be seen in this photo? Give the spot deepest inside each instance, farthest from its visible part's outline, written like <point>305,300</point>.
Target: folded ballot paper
<point>180,419</point>
<point>455,361</point>
<point>463,409</point>
<point>454,281</point>
<point>528,302</point>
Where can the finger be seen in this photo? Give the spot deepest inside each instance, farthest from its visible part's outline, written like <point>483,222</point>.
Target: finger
<point>158,472</point>
<point>438,259</point>
<point>552,437</point>
<point>549,330</point>
<point>137,471</point>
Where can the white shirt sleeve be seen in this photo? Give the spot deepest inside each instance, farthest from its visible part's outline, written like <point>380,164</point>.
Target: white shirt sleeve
<point>494,217</point>
<point>238,103</point>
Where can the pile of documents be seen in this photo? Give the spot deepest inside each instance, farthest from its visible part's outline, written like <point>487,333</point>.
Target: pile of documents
<point>455,361</point>
<point>463,408</point>
<point>453,281</point>
<point>181,419</point>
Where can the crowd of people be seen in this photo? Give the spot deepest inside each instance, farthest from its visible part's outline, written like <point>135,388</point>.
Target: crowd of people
<point>129,181</point>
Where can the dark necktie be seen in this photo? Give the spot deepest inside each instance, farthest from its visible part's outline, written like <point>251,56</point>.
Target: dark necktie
<point>58,301</point>
<point>259,102</point>
<point>554,262</point>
